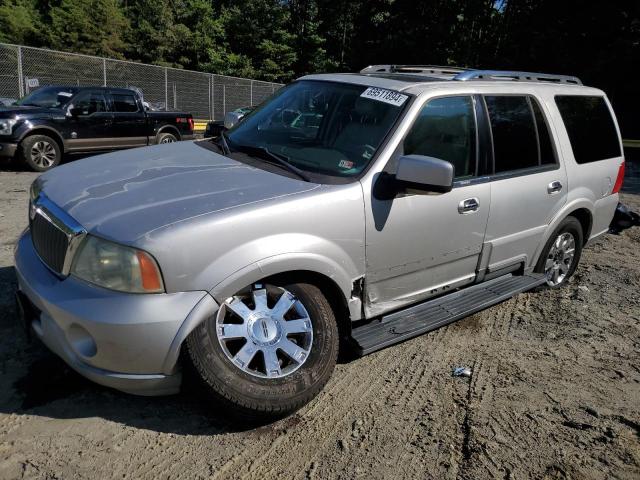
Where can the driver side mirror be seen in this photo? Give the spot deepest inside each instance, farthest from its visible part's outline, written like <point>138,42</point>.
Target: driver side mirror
<point>424,174</point>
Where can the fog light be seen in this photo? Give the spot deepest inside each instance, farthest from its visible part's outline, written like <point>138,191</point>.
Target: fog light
<point>81,341</point>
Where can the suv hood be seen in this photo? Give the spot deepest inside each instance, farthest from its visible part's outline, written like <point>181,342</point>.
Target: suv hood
<point>125,195</point>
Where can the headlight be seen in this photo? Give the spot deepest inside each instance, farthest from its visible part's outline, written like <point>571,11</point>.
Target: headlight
<point>36,188</point>
<point>6,126</point>
<point>117,267</point>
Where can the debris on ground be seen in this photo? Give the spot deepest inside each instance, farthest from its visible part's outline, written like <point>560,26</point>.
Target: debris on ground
<point>462,372</point>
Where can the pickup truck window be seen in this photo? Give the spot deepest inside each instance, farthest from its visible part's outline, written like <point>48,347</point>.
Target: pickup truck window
<point>322,127</point>
<point>124,103</point>
<point>590,126</point>
<point>89,103</point>
<point>446,129</point>
<point>48,97</point>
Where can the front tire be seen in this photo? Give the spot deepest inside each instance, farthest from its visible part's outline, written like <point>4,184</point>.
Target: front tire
<point>561,254</point>
<point>40,153</point>
<point>268,352</point>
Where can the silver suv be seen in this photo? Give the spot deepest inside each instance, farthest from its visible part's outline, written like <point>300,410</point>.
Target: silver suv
<point>349,209</point>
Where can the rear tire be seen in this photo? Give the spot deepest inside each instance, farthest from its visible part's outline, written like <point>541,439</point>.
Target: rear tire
<point>561,255</point>
<point>40,152</point>
<point>166,137</point>
<point>242,383</point>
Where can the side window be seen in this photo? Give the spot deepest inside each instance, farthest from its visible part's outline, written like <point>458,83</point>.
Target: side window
<point>89,103</point>
<point>124,103</point>
<point>592,131</point>
<point>446,129</point>
<point>515,143</point>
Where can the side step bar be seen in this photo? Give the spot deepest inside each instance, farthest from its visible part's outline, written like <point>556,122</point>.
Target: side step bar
<point>413,321</point>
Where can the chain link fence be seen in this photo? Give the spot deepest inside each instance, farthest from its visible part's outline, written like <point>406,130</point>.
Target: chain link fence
<point>204,95</point>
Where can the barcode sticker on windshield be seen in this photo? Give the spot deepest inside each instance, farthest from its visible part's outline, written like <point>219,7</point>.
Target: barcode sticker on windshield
<point>384,95</point>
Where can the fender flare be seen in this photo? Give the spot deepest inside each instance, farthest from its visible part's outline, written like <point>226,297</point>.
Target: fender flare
<point>171,128</point>
<point>35,129</point>
<point>284,263</point>
<point>566,211</point>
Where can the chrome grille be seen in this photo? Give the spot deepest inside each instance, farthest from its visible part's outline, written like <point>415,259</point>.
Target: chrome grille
<point>50,242</point>
<point>55,234</point>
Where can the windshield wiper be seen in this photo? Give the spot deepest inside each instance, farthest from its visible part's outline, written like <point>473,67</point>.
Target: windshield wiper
<point>271,157</point>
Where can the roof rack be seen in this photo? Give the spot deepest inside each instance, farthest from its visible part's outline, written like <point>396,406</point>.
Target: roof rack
<point>465,74</point>
<point>420,69</point>
<point>516,76</point>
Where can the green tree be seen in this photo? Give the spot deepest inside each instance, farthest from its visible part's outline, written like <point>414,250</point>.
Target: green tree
<point>96,27</point>
<point>20,21</point>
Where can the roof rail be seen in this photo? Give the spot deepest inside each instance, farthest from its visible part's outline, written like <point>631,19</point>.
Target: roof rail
<point>419,69</point>
<point>515,76</point>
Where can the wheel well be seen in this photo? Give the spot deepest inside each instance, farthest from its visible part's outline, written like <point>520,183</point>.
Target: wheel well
<point>584,217</point>
<point>328,288</point>
<point>49,133</point>
<point>169,129</point>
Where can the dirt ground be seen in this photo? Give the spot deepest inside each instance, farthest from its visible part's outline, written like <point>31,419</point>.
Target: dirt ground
<point>555,393</point>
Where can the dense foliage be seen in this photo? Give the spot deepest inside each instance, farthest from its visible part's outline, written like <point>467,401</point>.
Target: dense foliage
<point>281,39</point>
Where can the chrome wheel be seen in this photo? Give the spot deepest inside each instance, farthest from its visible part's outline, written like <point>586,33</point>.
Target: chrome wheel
<point>560,259</point>
<point>168,139</point>
<point>43,154</point>
<point>266,333</point>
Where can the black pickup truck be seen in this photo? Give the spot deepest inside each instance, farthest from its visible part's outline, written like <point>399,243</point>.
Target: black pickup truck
<point>51,121</point>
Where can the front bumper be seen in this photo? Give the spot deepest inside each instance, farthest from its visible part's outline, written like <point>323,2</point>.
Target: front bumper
<point>126,341</point>
<point>8,149</point>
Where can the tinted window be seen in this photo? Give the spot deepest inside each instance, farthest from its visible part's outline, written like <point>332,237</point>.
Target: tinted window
<point>446,129</point>
<point>547,153</point>
<point>515,143</point>
<point>590,126</point>
<point>124,103</point>
<point>89,103</point>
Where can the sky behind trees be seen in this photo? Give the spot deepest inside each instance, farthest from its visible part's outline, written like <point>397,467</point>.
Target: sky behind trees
<point>278,40</point>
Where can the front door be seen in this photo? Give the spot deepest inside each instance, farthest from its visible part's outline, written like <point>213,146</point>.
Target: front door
<point>528,187</point>
<point>88,122</point>
<point>419,245</point>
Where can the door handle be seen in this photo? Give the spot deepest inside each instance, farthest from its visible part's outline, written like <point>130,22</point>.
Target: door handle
<point>554,187</point>
<point>469,205</point>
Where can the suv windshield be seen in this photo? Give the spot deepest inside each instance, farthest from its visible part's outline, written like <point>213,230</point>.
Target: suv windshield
<point>49,97</point>
<point>321,127</point>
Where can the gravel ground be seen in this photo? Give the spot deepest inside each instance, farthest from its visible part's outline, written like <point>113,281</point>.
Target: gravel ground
<point>555,393</point>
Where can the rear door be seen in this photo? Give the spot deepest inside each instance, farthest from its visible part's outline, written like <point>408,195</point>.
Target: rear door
<point>129,120</point>
<point>88,122</point>
<point>528,183</point>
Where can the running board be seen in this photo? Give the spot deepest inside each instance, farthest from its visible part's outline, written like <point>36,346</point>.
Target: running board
<point>413,321</point>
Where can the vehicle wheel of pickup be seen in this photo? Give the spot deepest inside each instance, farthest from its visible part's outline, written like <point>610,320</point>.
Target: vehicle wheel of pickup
<point>561,254</point>
<point>40,152</point>
<point>269,350</point>
<point>167,138</point>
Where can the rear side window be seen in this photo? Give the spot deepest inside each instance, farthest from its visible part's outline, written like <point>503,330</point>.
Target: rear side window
<point>515,144</point>
<point>123,102</point>
<point>592,131</point>
<point>446,129</point>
